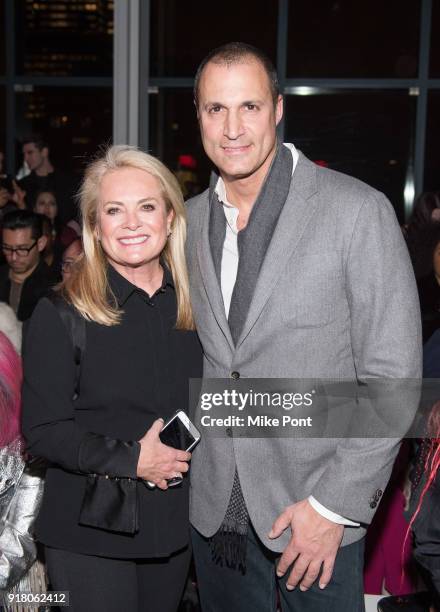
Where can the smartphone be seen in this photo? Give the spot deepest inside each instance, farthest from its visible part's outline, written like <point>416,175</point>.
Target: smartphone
<point>178,432</point>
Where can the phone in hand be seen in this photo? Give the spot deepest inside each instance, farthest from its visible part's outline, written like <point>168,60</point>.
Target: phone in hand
<point>178,432</point>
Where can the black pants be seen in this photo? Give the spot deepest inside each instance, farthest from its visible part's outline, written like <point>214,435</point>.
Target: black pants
<point>100,584</point>
<point>226,590</point>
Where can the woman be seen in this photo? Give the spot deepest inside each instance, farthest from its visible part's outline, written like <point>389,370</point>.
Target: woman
<point>131,288</point>
<point>424,222</point>
<point>58,237</point>
<point>21,487</point>
<point>46,204</point>
<point>429,291</point>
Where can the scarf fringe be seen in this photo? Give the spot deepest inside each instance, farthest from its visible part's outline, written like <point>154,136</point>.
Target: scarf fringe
<point>228,548</point>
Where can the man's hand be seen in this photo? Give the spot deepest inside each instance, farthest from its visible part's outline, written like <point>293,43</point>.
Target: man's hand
<point>159,462</point>
<point>315,542</point>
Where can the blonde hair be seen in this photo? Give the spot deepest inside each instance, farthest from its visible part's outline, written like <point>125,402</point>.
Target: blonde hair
<point>87,288</point>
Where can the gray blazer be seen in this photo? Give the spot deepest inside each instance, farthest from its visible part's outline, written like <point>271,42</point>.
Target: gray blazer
<point>336,298</point>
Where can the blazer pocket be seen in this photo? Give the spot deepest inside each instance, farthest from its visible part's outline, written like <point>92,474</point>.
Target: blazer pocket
<point>311,290</point>
<point>307,315</point>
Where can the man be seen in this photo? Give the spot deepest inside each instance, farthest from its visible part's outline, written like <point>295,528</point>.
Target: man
<point>296,272</point>
<point>44,177</point>
<point>25,277</point>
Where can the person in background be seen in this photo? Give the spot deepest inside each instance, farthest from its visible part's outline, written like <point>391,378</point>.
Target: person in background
<point>6,190</point>
<point>46,204</point>
<point>429,290</point>
<point>21,485</point>
<point>421,230</point>
<point>10,326</point>
<point>130,291</point>
<point>70,256</point>
<point>25,277</point>
<point>58,236</point>
<point>52,251</point>
<point>186,174</point>
<point>44,176</point>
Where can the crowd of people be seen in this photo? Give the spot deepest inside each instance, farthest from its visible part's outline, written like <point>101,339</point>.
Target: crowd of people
<point>281,269</point>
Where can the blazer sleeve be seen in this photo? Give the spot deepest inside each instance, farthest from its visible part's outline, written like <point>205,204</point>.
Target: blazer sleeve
<point>48,420</point>
<point>386,344</point>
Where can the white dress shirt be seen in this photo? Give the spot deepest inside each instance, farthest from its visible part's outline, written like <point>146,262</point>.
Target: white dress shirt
<point>229,268</point>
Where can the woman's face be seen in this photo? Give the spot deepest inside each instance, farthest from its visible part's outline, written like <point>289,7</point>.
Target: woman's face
<point>46,205</point>
<point>132,220</point>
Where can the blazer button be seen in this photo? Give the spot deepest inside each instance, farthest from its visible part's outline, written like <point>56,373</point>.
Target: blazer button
<point>229,432</point>
<point>235,375</point>
<point>373,504</point>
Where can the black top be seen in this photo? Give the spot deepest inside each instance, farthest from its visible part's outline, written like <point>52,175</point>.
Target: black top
<point>429,294</point>
<point>61,183</point>
<point>35,286</point>
<point>131,374</point>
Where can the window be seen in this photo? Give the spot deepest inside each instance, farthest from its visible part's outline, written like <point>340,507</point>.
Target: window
<point>75,121</point>
<point>435,41</point>
<point>432,152</point>
<point>174,132</point>
<point>365,134</point>
<point>182,33</point>
<point>64,38</point>
<point>342,38</point>
<point>2,121</point>
<point>2,38</point>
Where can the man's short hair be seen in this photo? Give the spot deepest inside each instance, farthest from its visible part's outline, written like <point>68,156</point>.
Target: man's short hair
<point>36,139</point>
<point>21,219</point>
<point>236,53</point>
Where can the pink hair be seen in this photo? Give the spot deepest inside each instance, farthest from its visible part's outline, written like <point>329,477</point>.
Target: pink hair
<point>10,392</point>
<point>431,458</point>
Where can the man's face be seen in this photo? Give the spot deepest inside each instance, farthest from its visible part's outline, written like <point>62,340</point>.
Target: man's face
<point>237,118</point>
<point>21,238</point>
<point>33,156</point>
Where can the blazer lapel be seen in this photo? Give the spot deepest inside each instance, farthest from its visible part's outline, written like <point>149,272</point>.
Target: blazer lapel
<point>296,214</point>
<point>209,277</point>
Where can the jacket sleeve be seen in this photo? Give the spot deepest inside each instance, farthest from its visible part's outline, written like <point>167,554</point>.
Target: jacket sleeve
<point>386,345</point>
<point>17,545</point>
<point>48,420</point>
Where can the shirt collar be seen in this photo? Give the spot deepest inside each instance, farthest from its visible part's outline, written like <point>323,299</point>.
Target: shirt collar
<point>123,289</point>
<point>220,188</point>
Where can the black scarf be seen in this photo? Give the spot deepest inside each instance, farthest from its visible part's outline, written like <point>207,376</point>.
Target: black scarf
<point>228,545</point>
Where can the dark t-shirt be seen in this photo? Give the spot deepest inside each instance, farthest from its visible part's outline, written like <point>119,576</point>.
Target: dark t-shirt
<point>35,286</point>
<point>131,374</point>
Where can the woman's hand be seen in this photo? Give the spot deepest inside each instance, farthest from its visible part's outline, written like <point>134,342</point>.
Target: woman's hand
<point>158,462</point>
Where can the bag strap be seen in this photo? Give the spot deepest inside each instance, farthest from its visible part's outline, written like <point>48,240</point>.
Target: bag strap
<point>76,328</point>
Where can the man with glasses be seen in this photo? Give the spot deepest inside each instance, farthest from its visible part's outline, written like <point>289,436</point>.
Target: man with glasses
<point>25,277</point>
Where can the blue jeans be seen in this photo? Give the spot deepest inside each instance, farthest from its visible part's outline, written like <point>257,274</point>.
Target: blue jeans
<point>224,589</point>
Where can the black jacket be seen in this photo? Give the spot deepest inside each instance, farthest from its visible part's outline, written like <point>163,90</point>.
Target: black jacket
<point>35,286</point>
<point>131,374</point>
<point>62,184</point>
<point>429,294</point>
